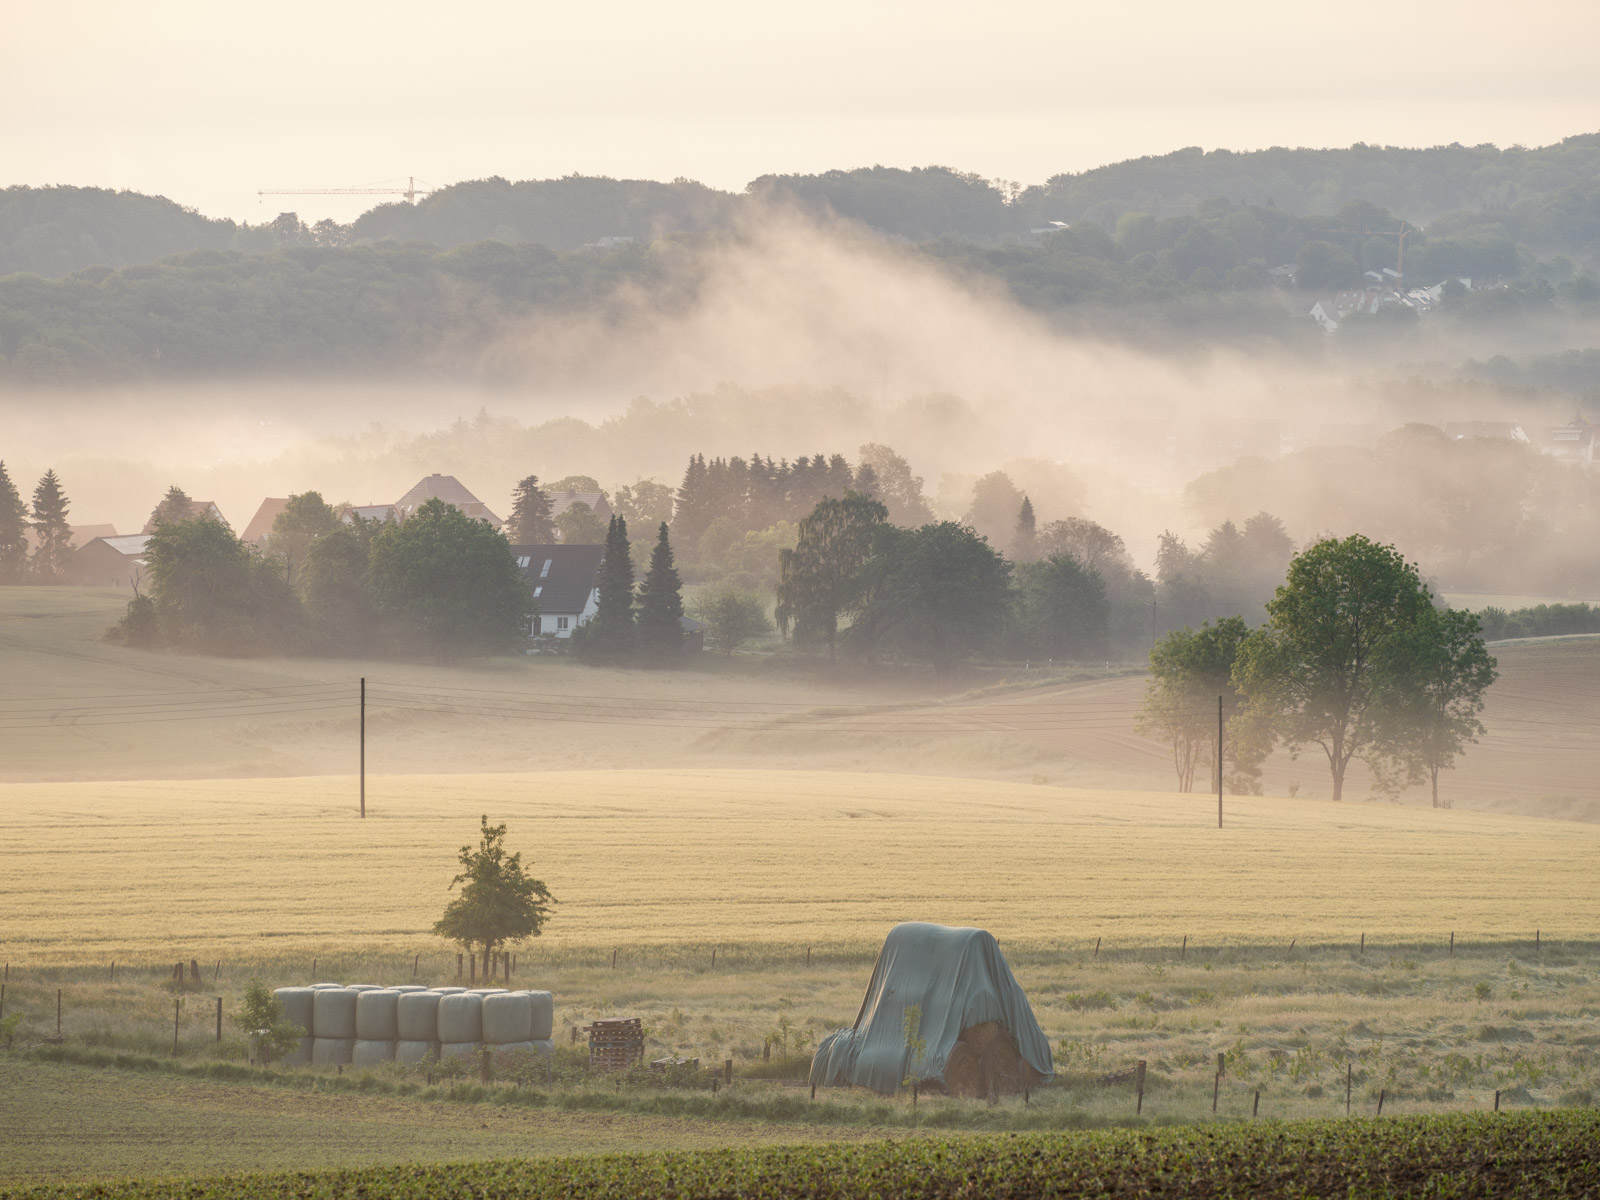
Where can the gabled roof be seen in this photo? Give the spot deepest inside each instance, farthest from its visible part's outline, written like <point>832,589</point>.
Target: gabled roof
<point>82,535</point>
<point>449,489</point>
<point>197,508</point>
<point>130,545</point>
<point>260,527</point>
<point>560,577</point>
<point>561,501</point>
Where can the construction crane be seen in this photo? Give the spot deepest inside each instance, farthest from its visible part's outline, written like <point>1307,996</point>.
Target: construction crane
<point>1399,234</point>
<point>411,191</point>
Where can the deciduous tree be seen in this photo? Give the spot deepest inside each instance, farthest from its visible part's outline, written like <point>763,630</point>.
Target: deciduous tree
<point>823,579</point>
<point>304,519</point>
<point>1189,670</point>
<point>942,593</point>
<point>500,903</point>
<point>732,617</point>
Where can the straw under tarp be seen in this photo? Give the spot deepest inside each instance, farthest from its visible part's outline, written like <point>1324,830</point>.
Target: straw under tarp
<point>974,1031</point>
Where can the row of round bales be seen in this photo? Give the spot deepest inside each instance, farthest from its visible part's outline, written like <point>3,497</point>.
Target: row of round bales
<point>364,1024</point>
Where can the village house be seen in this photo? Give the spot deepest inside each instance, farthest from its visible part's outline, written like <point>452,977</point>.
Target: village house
<point>197,508</point>
<point>259,531</point>
<point>565,582</point>
<point>108,562</point>
<point>1572,442</point>
<point>449,489</point>
<point>561,501</point>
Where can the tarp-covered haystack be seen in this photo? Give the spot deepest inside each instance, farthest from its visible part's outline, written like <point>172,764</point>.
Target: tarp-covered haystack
<point>943,1010</point>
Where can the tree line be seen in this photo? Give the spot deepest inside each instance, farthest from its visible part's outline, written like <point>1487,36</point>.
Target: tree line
<point>1354,660</point>
<point>45,559</point>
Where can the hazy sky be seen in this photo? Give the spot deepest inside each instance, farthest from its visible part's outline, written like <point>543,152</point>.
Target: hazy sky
<point>206,102</point>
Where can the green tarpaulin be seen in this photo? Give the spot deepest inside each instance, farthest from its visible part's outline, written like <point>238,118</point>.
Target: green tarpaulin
<point>958,979</point>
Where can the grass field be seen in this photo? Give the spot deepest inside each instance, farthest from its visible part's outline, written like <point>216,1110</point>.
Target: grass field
<point>148,871</point>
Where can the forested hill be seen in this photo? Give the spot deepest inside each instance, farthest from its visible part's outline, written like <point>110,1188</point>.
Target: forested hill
<point>57,230</point>
<point>1546,198</point>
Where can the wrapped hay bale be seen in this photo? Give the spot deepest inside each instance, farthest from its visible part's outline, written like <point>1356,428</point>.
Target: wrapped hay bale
<point>448,991</point>
<point>985,1060</point>
<point>410,987</point>
<point>417,1017</point>
<point>300,1056</point>
<point>544,1015</point>
<point>507,1018</point>
<point>332,1052</point>
<point>321,986</point>
<point>369,1052</point>
<point>297,1006</point>
<point>364,987</point>
<point>411,1053</point>
<point>486,991</point>
<point>461,1018</point>
<point>377,1015</point>
<point>333,1013</point>
<point>457,1050</point>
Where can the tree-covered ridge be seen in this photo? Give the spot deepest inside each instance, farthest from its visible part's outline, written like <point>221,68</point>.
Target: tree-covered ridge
<point>54,231</point>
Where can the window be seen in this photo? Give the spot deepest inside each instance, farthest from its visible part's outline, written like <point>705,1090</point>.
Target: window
<point>546,569</point>
<point>561,622</point>
<point>536,592</point>
<point>522,563</point>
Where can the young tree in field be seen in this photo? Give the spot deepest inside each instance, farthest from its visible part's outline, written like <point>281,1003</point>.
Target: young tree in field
<point>661,606</point>
<point>1315,674</point>
<point>260,1016</point>
<point>1189,669</point>
<point>303,520</point>
<point>731,617</point>
<point>824,577</point>
<point>52,534</point>
<point>610,637</point>
<point>500,903</point>
<point>448,583</point>
<point>13,531</point>
<point>530,523</point>
<point>941,594</point>
<point>1025,540</point>
<point>1441,669</point>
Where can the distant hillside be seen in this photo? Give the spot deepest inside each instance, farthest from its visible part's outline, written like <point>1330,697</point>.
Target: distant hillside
<point>54,231</point>
<point>1547,199</point>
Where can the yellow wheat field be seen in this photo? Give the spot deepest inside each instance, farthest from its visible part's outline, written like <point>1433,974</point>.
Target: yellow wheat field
<point>155,870</point>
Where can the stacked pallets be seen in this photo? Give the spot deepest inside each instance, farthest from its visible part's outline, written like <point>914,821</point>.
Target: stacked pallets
<point>615,1044</point>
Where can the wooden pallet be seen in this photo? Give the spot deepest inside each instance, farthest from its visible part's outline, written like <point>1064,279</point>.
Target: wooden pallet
<point>615,1043</point>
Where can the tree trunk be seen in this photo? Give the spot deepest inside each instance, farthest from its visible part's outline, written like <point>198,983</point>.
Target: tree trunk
<point>1338,779</point>
<point>1434,771</point>
<point>488,953</point>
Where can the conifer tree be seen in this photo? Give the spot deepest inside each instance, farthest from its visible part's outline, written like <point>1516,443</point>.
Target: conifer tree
<point>53,534</point>
<point>692,512</point>
<point>13,531</point>
<point>1024,546</point>
<point>609,637</point>
<point>661,606</point>
<point>174,506</point>
<point>531,523</point>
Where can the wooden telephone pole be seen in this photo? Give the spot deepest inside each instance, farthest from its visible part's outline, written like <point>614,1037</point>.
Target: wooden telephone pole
<point>1219,762</point>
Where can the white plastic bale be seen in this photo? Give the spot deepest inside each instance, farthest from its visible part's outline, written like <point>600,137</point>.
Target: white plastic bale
<point>410,987</point>
<point>365,987</point>
<point>544,1045</point>
<point>300,1055</point>
<point>377,1018</point>
<point>417,1017</point>
<point>410,1053</point>
<point>448,991</point>
<point>487,991</point>
<point>535,1046</point>
<point>332,1052</point>
<point>369,1052</point>
<point>320,986</point>
<point>457,1049</point>
<point>334,1013</point>
<point>544,1015</point>
<point>508,1018</point>
<point>461,1018</point>
<point>297,1006</point>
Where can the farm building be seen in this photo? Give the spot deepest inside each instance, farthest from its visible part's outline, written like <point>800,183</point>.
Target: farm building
<point>449,489</point>
<point>259,531</point>
<point>564,581</point>
<point>82,535</point>
<point>108,561</point>
<point>942,1010</point>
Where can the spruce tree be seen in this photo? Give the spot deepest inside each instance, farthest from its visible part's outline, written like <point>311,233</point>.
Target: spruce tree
<point>609,637</point>
<point>1025,545</point>
<point>53,534</point>
<point>175,506</point>
<point>531,523</point>
<point>661,606</point>
<point>13,531</point>
<point>692,513</point>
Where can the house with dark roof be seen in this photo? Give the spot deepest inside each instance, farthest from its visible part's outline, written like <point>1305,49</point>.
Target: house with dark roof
<point>449,489</point>
<point>1573,442</point>
<point>260,528</point>
<point>565,582</point>
<point>351,513</point>
<point>107,561</point>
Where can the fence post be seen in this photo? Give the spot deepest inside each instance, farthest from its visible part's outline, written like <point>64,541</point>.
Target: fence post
<point>1216,1083</point>
<point>1497,1100</point>
<point>713,958</point>
<point>1381,1094</point>
<point>613,960</point>
<point>313,968</point>
<point>1097,947</point>
<point>1452,943</point>
<point>1138,1106</point>
<point>414,962</point>
<point>1349,1082</point>
<point>727,1070</point>
<point>1536,941</point>
<point>1184,951</point>
<point>1363,941</point>
<point>219,1018</point>
<point>808,956</point>
<point>113,970</point>
<point>58,1012</point>
<point>1256,1107</point>
<point>176,1002</point>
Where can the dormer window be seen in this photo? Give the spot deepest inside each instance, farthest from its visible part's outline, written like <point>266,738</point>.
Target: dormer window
<point>545,570</point>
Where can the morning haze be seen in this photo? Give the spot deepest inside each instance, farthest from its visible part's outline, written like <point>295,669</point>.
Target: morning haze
<point>702,629</point>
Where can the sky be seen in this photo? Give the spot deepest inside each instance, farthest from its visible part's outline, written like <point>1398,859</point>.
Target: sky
<point>208,103</point>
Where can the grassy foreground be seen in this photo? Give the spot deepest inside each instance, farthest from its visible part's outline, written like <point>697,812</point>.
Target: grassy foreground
<point>1523,1155</point>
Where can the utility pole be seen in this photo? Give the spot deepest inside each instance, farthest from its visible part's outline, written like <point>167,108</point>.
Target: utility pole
<point>363,747</point>
<point>1219,762</point>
